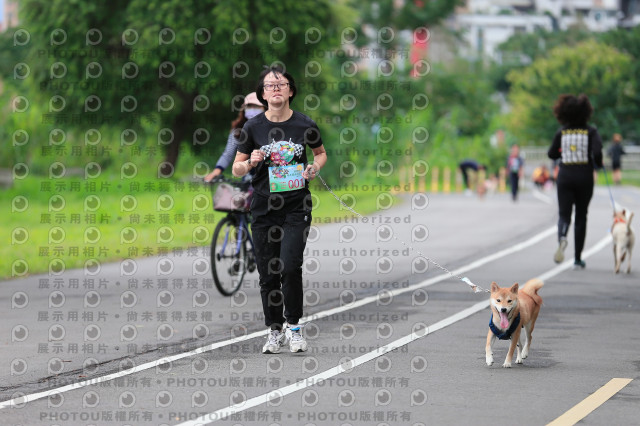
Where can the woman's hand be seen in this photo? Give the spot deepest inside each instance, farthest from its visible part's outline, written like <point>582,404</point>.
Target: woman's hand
<point>256,157</point>
<point>310,172</point>
<point>216,172</point>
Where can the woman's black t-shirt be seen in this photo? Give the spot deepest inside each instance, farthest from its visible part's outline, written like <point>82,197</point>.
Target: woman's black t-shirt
<point>281,139</point>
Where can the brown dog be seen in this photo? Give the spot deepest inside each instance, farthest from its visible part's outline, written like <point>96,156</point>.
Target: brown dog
<point>511,311</point>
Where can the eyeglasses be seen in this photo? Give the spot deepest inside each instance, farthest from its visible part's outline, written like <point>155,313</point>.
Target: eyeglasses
<point>269,87</point>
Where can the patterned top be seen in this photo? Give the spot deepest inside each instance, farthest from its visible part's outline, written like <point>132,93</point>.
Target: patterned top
<point>577,148</point>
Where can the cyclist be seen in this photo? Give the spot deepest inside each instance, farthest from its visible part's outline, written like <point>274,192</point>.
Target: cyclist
<point>250,108</point>
<point>274,144</point>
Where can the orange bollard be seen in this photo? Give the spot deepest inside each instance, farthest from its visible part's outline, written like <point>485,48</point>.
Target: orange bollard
<point>422,183</point>
<point>446,180</point>
<point>412,180</point>
<point>401,181</point>
<point>458,180</point>
<point>435,175</point>
<point>502,179</point>
<point>480,186</point>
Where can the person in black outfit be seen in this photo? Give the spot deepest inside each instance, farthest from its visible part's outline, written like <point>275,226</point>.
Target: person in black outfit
<point>578,146</point>
<point>616,151</point>
<point>465,166</point>
<point>515,166</point>
<point>274,144</point>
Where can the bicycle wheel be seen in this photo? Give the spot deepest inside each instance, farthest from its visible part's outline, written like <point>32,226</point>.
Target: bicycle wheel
<point>228,256</point>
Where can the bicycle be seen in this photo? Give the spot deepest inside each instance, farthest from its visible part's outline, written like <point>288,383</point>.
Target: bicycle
<point>232,249</point>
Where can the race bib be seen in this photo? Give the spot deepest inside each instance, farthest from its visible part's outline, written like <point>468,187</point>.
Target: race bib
<point>286,178</point>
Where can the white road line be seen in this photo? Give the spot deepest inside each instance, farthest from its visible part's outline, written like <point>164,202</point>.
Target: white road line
<point>21,400</point>
<point>224,413</point>
<point>480,262</point>
<point>339,369</point>
<point>542,196</point>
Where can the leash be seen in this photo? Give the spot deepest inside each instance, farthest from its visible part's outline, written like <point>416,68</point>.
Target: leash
<point>606,179</point>
<point>298,149</point>
<point>474,287</point>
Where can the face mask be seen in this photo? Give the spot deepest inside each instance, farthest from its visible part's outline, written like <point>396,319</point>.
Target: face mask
<point>252,112</point>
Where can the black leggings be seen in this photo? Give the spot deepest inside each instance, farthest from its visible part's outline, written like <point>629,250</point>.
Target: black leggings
<point>515,182</point>
<point>280,240</point>
<point>574,189</point>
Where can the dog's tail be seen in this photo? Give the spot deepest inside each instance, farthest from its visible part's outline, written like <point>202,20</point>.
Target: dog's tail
<point>531,288</point>
<point>629,223</point>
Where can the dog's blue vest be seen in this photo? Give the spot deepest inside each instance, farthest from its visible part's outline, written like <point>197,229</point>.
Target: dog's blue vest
<point>504,335</point>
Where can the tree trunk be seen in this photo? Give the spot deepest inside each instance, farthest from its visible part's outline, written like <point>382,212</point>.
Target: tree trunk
<point>179,128</point>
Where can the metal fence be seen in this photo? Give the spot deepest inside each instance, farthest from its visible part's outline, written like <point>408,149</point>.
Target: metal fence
<point>537,155</point>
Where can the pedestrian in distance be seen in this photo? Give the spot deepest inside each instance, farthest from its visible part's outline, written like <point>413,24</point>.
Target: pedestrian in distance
<point>578,146</point>
<point>515,165</point>
<point>616,151</point>
<point>465,167</point>
<point>541,176</point>
<point>274,145</point>
<point>250,108</point>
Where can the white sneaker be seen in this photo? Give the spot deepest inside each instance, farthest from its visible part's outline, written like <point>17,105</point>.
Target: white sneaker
<point>559,256</point>
<point>275,340</point>
<point>297,342</point>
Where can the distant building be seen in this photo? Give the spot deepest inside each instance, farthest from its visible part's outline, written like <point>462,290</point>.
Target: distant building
<point>485,24</point>
<point>10,18</point>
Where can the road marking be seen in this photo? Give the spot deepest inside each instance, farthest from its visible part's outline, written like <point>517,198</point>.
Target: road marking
<point>590,403</point>
<point>476,264</point>
<point>542,196</point>
<point>224,413</point>
<point>23,399</point>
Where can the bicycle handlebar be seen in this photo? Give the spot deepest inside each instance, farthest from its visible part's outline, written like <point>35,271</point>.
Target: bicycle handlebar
<point>217,179</point>
<point>222,179</point>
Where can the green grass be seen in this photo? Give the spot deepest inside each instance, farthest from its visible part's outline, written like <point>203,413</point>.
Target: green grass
<point>97,224</point>
<point>629,177</point>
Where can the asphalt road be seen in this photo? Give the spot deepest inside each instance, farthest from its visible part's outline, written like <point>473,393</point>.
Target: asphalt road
<point>393,338</point>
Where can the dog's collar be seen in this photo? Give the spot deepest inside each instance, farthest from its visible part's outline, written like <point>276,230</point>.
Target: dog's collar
<point>504,335</point>
<point>619,220</point>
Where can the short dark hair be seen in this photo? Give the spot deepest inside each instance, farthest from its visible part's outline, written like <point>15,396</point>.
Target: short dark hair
<point>573,110</point>
<point>276,70</point>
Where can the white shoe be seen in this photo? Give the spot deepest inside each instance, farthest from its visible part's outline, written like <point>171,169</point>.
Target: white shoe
<point>297,342</point>
<point>559,256</point>
<point>275,340</point>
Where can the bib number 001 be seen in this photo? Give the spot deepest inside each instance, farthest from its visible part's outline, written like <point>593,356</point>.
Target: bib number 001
<point>286,178</point>
<point>296,183</point>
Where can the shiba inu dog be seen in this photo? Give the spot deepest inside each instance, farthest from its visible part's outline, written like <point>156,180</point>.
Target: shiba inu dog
<point>511,311</point>
<point>623,240</point>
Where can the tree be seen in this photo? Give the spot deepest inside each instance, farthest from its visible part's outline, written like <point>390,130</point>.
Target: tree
<point>171,70</point>
<point>521,49</point>
<point>405,15</point>
<point>628,41</point>
<point>601,72</point>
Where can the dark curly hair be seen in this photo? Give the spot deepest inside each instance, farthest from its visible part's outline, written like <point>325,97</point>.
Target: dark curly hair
<point>277,70</point>
<point>573,110</point>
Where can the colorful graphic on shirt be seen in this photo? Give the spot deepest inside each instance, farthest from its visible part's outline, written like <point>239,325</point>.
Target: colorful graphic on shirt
<point>284,173</point>
<point>282,153</point>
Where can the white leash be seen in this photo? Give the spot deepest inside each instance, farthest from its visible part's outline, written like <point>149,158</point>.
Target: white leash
<point>474,287</point>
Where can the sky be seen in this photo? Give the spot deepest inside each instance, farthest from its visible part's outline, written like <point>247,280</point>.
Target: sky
<point>1,10</point>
